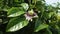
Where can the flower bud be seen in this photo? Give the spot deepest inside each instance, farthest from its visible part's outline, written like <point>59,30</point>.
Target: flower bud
<point>31,12</point>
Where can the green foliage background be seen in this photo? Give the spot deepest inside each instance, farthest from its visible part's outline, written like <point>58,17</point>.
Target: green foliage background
<point>48,21</point>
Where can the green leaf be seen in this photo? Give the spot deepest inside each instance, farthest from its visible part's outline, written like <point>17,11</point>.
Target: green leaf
<point>49,31</point>
<point>48,15</point>
<point>58,28</point>
<point>25,6</point>
<point>16,1</point>
<point>40,25</point>
<point>40,6</point>
<point>14,11</point>
<point>16,24</point>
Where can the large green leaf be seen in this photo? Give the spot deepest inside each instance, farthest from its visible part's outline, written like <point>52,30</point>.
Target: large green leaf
<point>40,25</point>
<point>14,11</point>
<point>16,24</point>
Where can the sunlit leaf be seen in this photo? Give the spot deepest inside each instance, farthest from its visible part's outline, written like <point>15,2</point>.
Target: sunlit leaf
<point>16,24</point>
<point>14,11</point>
<point>25,6</point>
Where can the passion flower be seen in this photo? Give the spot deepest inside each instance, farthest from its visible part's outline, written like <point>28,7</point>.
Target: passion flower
<point>30,14</point>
